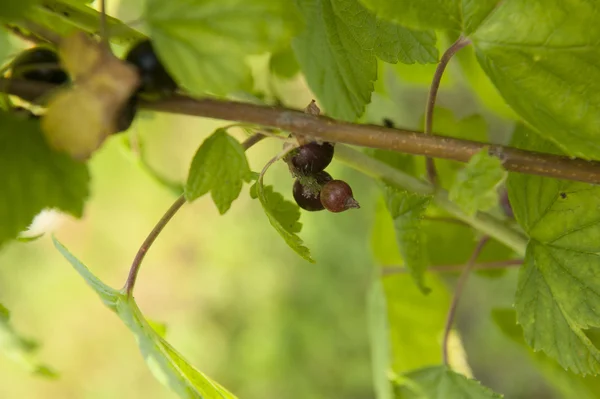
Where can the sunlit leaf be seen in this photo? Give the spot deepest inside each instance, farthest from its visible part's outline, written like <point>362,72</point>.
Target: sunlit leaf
<point>203,42</point>
<point>167,365</point>
<point>460,15</point>
<point>476,185</point>
<point>20,349</point>
<point>557,291</point>
<point>338,48</point>
<point>406,210</point>
<point>34,177</point>
<point>549,75</point>
<point>440,382</point>
<point>219,167</point>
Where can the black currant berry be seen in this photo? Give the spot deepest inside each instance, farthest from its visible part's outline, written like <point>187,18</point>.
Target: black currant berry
<point>312,157</point>
<point>40,64</point>
<point>127,115</point>
<point>155,80</point>
<point>307,196</point>
<point>336,196</point>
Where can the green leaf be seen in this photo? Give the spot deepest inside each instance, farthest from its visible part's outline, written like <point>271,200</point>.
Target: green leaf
<point>337,52</point>
<point>463,15</point>
<point>219,166</point>
<point>557,294</point>
<point>440,382</point>
<point>203,43</point>
<point>476,186</point>
<point>568,384</point>
<point>416,322</point>
<point>284,64</point>
<point>167,365</point>
<point>11,10</point>
<point>379,334</point>
<point>67,17</point>
<point>283,216</point>
<point>407,209</point>
<point>20,349</point>
<point>549,75</point>
<point>34,177</point>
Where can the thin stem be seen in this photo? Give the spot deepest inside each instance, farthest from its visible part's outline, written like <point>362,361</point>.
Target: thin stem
<point>433,90</point>
<point>164,220</point>
<point>483,222</point>
<point>372,136</point>
<point>250,141</point>
<point>103,27</point>
<point>502,264</point>
<point>139,257</point>
<point>457,293</point>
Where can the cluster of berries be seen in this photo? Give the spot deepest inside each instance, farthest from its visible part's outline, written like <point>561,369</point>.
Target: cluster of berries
<point>42,64</point>
<point>315,189</point>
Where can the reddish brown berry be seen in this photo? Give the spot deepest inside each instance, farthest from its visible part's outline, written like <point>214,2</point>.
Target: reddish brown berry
<point>307,196</point>
<point>336,196</point>
<point>313,157</point>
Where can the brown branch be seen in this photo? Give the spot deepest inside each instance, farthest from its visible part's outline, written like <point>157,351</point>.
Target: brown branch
<point>501,264</point>
<point>460,285</point>
<point>433,90</point>
<point>372,136</point>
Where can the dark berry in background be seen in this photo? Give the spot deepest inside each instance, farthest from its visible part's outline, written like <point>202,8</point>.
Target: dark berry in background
<point>336,196</point>
<point>39,64</point>
<point>312,157</point>
<point>155,80</point>
<point>126,116</point>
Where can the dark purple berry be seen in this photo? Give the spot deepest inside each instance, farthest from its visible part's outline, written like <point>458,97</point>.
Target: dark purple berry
<point>312,157</point>
<point>40,64</point>
<point>307,196</point>
<point>126,116</point>
<point>306,199</point>
<point>336,196</point>
<point>155,80</point>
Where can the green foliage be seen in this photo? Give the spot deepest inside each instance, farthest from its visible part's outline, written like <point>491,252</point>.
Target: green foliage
<point>34,177</point>
<point>219,166</point>
<point>67,17</point>
<point>440,382</point>
<point>437,14</point>
<point>472,127</point>
<point>283,216</point>
<point>20,349</point>
<point>15,9</point>
<point>556,294</point>
<point>568,384</point>
<point>380,340</point>
<point>203,42</point>
<point>407,209</point>
<point>550,75</point>
<point>476,186</point>
<point>338,48</point>
<point>418,345</point>
<point>167,365</point>
<point>284,64</point>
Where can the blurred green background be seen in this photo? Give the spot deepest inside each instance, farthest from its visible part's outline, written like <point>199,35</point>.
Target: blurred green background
<point>237,302</point>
